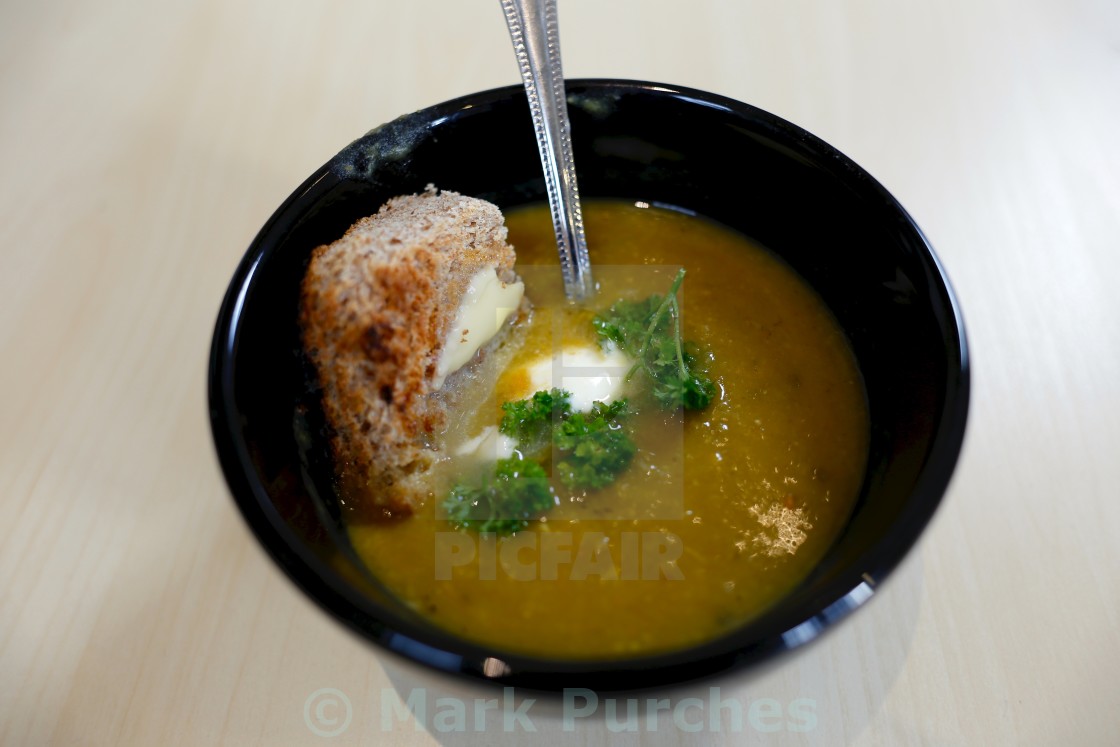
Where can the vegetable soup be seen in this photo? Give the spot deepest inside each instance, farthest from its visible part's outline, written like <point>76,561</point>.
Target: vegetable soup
<point>679,452</point>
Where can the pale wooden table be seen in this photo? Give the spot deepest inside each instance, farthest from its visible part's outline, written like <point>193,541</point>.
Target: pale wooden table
<point>143,144</point>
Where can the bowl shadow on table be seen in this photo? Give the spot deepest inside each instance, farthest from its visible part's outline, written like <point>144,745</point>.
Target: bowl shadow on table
<point>825,693</point>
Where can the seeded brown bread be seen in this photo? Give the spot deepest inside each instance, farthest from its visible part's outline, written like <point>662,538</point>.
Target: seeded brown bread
<point>376,308</point>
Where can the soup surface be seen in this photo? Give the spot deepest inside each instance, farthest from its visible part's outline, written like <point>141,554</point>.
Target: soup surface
<point>722,510</point>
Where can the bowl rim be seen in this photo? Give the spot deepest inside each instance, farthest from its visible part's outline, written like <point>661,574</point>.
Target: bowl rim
<point>446,653</point>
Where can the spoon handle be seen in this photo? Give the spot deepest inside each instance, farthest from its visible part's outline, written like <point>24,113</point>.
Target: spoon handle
<point>535,33</point>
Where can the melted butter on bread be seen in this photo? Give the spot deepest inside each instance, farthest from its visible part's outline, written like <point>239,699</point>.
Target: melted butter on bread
<point>487,303</point>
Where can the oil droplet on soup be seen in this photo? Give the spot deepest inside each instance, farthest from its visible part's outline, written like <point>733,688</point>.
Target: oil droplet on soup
<point>722,511</point>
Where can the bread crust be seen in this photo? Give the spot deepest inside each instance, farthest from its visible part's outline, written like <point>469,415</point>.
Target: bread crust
<point>376,308</point>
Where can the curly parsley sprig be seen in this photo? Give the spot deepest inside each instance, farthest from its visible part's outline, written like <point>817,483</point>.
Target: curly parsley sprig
<point>590,450</point>
<point>505,502</point>
<point>649,331</point>
<point>593,446</point>
<point>530,421</point>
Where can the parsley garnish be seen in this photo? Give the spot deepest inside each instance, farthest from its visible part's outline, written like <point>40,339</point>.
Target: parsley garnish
<point>593,446</point>
<point>505,502</point>
<point>589,449</point>
<point>650,332</point>
<point>530,420</point>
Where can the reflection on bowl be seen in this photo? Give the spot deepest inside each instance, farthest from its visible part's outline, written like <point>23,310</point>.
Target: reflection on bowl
<point>744,168</point>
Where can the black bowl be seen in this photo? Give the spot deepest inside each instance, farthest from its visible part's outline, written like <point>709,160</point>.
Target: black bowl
<point>733,163</point>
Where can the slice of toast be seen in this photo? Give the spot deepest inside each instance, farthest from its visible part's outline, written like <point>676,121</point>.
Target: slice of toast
<point>377,306</point>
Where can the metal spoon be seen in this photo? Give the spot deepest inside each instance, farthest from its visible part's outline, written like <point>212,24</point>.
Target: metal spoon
<point>536,42</point>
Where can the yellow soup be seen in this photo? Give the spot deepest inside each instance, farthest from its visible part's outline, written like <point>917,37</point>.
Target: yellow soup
<point>722,510</point>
